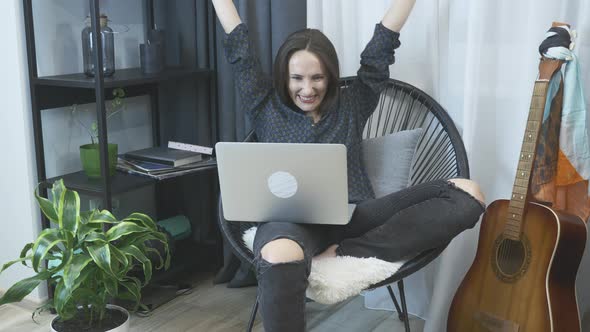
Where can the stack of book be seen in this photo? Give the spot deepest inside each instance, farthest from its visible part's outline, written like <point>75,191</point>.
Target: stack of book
<point>162,163</point>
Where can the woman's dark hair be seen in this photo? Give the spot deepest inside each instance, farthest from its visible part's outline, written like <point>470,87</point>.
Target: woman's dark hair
<point>316,42</point>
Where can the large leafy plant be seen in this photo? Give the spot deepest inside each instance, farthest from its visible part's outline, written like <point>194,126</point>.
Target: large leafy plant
<point>89,257</point>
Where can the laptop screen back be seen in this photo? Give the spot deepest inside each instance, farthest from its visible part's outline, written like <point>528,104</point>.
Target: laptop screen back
<point>285,182</point>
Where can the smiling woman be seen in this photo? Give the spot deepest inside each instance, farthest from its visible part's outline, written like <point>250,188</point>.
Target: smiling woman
<point>303,103</point>
<point>307,83</point>
<point>304,70</point>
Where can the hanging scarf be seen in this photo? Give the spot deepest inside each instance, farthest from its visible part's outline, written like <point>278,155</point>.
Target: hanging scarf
<point>562,166</point>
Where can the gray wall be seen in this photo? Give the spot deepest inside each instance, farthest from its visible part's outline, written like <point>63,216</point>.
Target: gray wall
<point>20,217</point>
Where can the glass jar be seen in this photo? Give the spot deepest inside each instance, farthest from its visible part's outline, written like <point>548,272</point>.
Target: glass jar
<point>108,48</point>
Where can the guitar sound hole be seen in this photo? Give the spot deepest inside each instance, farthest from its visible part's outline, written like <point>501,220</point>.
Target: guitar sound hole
<point>510,257</point>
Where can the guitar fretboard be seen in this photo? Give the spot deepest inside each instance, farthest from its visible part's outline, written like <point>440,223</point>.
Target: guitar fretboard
<point>516,209</point>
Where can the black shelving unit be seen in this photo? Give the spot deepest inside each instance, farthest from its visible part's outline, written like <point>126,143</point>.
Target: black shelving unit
<point>123,78</point>
<point>49,92</point>
<point>63,90</point>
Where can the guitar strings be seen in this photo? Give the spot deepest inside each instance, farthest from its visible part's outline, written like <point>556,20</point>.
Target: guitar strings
<point>555,37</point>
<point>507,248</point>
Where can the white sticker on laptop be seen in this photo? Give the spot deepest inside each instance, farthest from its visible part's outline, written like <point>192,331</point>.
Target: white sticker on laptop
<point>282,184</point>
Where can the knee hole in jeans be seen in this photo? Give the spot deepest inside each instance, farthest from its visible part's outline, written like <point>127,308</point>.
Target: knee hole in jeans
<point>282,251</point>
<point>470,187</point>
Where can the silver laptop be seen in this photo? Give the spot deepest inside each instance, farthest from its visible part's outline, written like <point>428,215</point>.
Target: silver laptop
<point>299,183</point>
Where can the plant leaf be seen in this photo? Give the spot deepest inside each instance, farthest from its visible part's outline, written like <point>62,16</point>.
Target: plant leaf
<point>126,296</point>
<point>123,229</point>
<point>122,259</point>
<point>164,240</point>
<point>47,306</point>
<point>137,240</point>
<point>88,272</point>
<point>61,299</point>
<point>119,93</point>
<point>56,192</point>
<point>89,288</point>
<point>96,237</point>
<point>46,207</point>
<point>24,252</point>
<point>84,294</point>
<point>101,255</point>
<point>63,261</point>
<point>157,253</point>
<point>22,288</point>
<point>136,253</point>
<point>69,210</point>
<point>111,284</point>
<point>73,269</point>
<point>47,240</point>
<point>9,264</point>
<point>134,287</point>
<point>143,219</point>
<point>85,229</point>
<point>102,217</point>
<point>85,216</point>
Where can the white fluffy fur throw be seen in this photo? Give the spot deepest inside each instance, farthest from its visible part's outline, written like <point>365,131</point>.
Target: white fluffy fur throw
<point>335,279</point>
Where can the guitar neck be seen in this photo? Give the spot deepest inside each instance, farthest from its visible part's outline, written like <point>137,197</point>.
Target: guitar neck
<point>520,189</point>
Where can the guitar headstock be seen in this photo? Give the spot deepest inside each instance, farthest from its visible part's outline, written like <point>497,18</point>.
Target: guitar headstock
<point>548,67</point>
<point>558,24</point>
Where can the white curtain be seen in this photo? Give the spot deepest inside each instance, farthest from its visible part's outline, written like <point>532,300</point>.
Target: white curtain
<point>479,59</point>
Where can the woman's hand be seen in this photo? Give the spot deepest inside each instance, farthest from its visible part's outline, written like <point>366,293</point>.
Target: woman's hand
<point>227,14</point>
<point>397,14</point>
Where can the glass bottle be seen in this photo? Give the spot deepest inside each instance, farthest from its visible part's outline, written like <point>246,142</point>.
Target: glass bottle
<point>108,47</point>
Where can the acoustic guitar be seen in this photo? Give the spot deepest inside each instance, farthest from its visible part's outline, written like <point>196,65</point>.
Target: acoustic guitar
<point>523,276</point>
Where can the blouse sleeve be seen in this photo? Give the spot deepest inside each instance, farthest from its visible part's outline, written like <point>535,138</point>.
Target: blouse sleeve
<point>373,74</point>
<point>253,84</point>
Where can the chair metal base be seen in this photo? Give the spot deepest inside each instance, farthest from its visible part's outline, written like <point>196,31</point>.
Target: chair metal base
<point>402,313</point>
<point>253,315</point>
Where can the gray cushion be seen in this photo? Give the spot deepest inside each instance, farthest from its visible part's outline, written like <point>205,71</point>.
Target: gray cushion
<point>388,160</point>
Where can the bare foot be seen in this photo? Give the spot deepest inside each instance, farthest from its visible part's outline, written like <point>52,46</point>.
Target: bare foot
<point>330,252</point>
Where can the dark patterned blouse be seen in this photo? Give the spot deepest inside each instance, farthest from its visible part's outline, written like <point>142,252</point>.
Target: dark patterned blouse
<point>276,122</point>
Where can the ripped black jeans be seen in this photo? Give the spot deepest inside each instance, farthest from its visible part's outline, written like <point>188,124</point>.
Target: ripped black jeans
<point>391,228</point>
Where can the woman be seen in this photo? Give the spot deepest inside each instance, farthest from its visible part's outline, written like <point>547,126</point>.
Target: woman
<point>303,104</point>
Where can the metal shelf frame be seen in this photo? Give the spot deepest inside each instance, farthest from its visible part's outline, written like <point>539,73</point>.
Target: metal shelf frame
<point>56,91</point>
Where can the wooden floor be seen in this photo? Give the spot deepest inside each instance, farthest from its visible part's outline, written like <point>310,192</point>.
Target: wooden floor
<point>215,308</point>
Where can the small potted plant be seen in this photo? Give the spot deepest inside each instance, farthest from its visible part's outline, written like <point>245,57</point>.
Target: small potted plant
<point>92,259</point>
<point>89,153</point>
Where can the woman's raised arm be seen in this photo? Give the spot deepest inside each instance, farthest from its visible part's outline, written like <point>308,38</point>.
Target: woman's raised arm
<point>378,55</point>
<point>397,14</point>
<point>253,84</point>
<point>227,14</point>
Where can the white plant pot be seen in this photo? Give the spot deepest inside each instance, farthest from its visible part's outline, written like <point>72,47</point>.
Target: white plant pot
<point>121,328</point>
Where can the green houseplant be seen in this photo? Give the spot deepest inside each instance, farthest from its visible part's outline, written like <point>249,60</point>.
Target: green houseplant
<point>89,153</point>
<point>88,265</point>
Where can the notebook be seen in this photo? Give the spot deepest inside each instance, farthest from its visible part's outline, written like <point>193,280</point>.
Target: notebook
<point>166,156</point>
